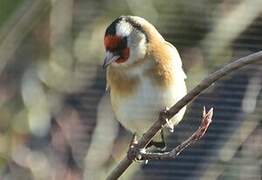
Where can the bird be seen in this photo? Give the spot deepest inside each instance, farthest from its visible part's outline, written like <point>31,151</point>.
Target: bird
<point>144,75</point>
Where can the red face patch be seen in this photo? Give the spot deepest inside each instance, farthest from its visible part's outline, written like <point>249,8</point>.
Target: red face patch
<point>111,42</point>
<point>118,45</point>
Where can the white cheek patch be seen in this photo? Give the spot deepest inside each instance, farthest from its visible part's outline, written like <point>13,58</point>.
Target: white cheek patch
<point>138,47</point>
<point>123,29</point>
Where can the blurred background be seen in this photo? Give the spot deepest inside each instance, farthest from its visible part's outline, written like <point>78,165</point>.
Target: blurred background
<point>54,122</point>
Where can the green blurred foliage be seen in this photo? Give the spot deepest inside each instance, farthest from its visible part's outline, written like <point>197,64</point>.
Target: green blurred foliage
<point>7,7</point>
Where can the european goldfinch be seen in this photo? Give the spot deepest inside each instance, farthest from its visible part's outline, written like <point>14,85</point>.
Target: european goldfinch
<point>144,74</point>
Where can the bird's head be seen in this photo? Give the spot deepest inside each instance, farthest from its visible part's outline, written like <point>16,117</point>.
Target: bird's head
<point>125,41</point>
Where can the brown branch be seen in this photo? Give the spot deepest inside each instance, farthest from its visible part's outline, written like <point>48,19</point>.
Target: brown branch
<point>146,138</point>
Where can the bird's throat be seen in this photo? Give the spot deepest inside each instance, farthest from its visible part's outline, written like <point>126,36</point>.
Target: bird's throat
<point>120,82</point>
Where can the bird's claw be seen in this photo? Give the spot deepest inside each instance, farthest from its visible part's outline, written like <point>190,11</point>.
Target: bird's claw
<point>169,124</point>
<point>135,153</point>
<point>138,157</point>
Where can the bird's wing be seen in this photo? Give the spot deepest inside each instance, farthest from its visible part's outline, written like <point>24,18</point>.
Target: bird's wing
<point>177,58</point>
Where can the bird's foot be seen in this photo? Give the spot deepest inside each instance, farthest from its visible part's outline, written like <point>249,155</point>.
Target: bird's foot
<point>138,157</point>
<point>169,124</point>
<point>134,152</point>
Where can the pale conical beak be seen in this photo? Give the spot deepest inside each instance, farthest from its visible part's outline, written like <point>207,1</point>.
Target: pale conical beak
<point>110,57</point>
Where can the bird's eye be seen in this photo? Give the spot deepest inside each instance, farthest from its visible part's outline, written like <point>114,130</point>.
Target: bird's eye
<point>123,44</point>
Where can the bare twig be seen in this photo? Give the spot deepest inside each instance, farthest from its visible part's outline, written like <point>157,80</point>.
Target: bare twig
<point>146,138</point>
<point>206,120</point>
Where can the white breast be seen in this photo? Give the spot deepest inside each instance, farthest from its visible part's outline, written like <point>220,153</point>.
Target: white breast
<point>138,111</point>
